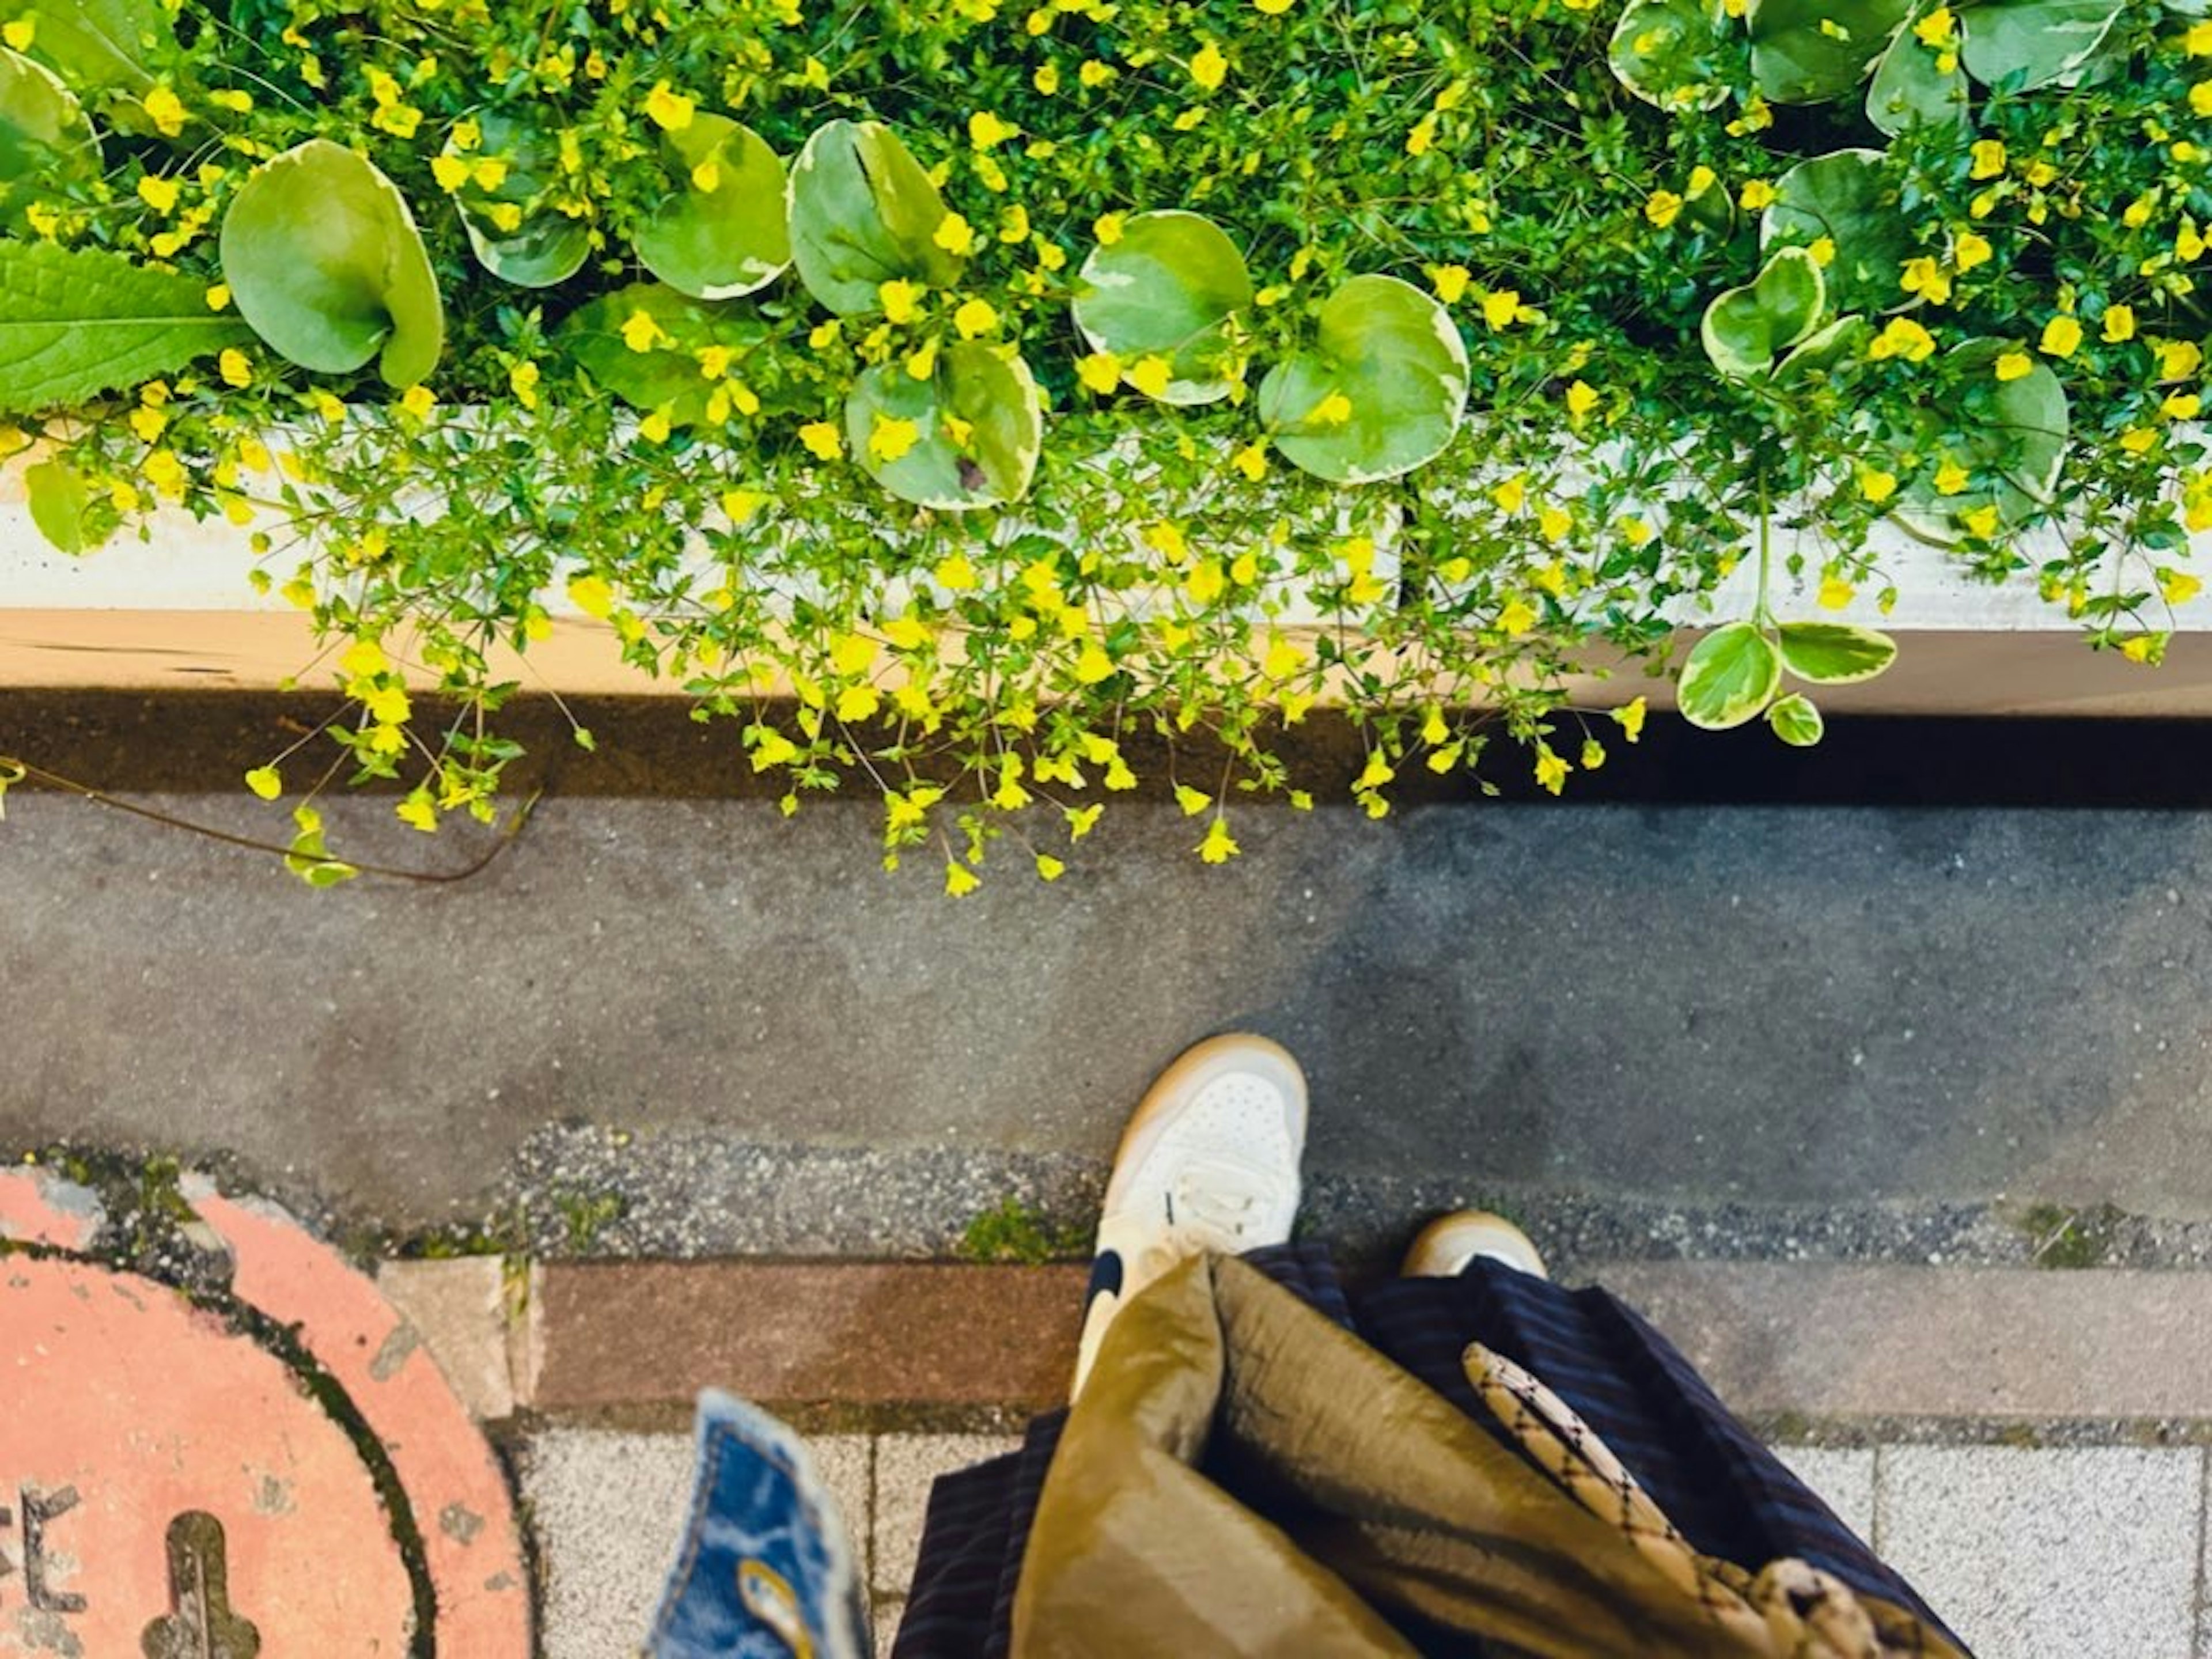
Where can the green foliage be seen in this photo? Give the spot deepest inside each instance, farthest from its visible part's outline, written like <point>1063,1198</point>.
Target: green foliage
<point>45,137</point>
<point>325,261</point>
<point>1795,720</point>
<point>75,324</point>
<point>1834,653</point>
<point>1013,1231</point>
<point>1143,371</point>
<point>63,509</point>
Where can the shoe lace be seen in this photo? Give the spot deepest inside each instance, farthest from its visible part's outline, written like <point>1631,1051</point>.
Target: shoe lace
<point>1217,1206</point>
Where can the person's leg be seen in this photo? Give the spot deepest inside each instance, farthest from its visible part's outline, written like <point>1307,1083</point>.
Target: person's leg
<point>1209,1162</point>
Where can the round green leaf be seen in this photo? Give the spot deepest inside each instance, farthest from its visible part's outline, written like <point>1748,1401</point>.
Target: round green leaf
<point>45,139</point>
<point>1744,328</point>
<point>1395,359</point>
<point>1165,289</point>
<point>978,425</point>
<point>718,244</point>
<point>666,375</point>
<point>1843,196</point>
<point>1678,54</point>
<point>2040,41</point>
<point>325,264</point>
<point>545,246</point>
<point>864,212</point>
<point>2012,432</point>
<point>1834,653</point>
<point>1909,86</point>
<point>101,46</point>
<point>64,509</point>
<point>1839,341</point>
<point>1795,720</point>
<point>1807,52</point>
<point>1731,675</point>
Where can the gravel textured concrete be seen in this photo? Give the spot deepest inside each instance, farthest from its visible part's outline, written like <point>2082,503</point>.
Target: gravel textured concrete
<point>1842,1479</point>
<point>1699,1005</point>
<point>2031,1554</point>
<point>906,1467</point>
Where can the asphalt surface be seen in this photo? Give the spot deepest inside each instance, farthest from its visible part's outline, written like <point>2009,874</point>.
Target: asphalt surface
<point>1699,1009</point>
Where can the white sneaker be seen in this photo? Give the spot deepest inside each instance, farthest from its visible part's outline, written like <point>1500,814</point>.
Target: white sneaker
<point>1447,1244</point>
<point>1209,1162</point>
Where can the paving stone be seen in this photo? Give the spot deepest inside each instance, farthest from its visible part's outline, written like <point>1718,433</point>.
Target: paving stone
<point>608,1508</point>
<point>652,1332</point>
<point>906,1465</point>
<point>1844,1480</point>
<point>2090,1554</point>
<point>1830,1340</point>
<point>459,1308</point>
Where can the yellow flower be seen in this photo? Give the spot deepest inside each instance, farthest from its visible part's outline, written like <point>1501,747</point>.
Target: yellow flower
<point>1630,716</point>
<point>419,811</point>
<point>1950,477</point>
<point>1209,68</point>
<point>18,33</point>
<point>2198,42</point>
<point>1450,283</point>
<point>1552,769</point>
<point>1150,375</point>
<point>159,194</point>
<point>1981,521</point>
<point>1924,278</point>
<point>1755,195</point>
<point>1271,8</point>
<point>1100,371</point>
<point>1108,228</point>
<point>822,438</point>
<point>327,406</point>
<point>400,120</point>
<point>2061,336</point>
<point>955,573</point>
<point>1423,135</point>
<point>955,235</point>
<point>2119,324</point>
<point>1335,410</point>
<point>1251,461</point>
<point>1049,868</point>
<point>1094,74</point>
<point>669,110</point>
<point>1835,594</point>
<point>591,596</point>
<point>975,317</point>
<point>1046,79</point>
<point>1823,250</point>
<point>2014,365</point>
<point>150,424</point>
<point>892,437</point>
<point>1517,617</point>
<point>1013,222</point>
<point>902,299</point>
<point>706,177</point>
<point>2200,98</point>
<point>1875,484</point>
<point>233,367</point>
<point>2178,587</point>
<point>418,400</point>
<point>1938,28</point>
<point>986,130</point>
<point>655,428</point>
<point>641,332</point>
<point>960,880</point>
<point>921,364</point>
<point>1662,209</point>
<point>1582,397</point>
<point>1219,846</point>
<point>450,171</point>
<point>2181,406</point>
<point>2178,359</point>
<point>218,297</point>
<point>2139,439</point>
<point>1902,337</point>
<point>1500,307</point>
<point>167,112</point>
<point>165,473</point>
<point>489,172</point>
<point>1971,249</point>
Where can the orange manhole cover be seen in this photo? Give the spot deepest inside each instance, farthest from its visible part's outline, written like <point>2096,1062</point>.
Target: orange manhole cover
<point>278,1473</point>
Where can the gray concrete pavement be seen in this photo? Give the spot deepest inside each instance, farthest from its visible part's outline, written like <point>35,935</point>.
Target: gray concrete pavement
<point>1700,1006</point>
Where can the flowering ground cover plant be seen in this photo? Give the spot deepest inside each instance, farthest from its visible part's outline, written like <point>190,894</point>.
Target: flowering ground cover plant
<point>944,394</point>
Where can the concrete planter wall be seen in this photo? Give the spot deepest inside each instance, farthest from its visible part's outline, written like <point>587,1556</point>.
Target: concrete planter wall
<point>176,612</point>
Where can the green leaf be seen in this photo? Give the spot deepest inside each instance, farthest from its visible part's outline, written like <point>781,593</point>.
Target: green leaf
<point>1678,54</point>
<point>1391,353</point>
<point>66,510</point>
<point>719,244</point>
<point>99,46</point>
<point>1807,52</point>
<point>546,246</point>
<point>75,323</point>
<point>666,375</point>
<point>979,425</point>
<point>1730,676</point>
<point>1165,289</point>
<point>1842,196</point>
<point>2040,41</point>
<point>1840,341</point>
<point>46,140</point>
<point>1910,88</point>
<point>311,861</point>
<point>863,213</point>
<point>1795,720</point>
<point>1835,653</point>
<point>324,260</point>
<point>1744,328</point>
<point>2013,432</point>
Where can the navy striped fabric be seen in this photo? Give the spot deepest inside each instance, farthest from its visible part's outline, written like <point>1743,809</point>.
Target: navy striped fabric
<point>1731,1496</point>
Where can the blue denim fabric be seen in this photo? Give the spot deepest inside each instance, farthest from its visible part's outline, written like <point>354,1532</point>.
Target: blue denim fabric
<point>766,1569</point>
